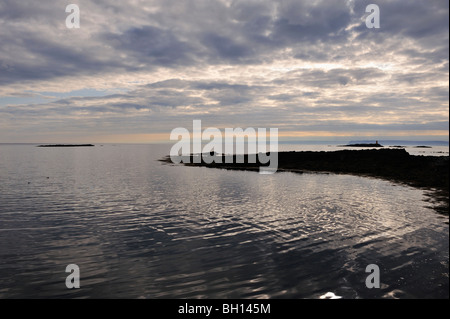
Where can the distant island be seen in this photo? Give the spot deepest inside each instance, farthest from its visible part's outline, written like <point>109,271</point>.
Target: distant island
<point>362,145</point>
<point>402,142</point>
<point>67,145</point>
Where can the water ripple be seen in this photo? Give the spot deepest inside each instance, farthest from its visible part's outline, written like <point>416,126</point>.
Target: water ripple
<point>139,229</point>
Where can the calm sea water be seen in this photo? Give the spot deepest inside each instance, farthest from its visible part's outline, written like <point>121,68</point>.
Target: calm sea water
<point>140,229</point>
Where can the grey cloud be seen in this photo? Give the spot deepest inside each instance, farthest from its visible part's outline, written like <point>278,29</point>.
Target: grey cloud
<point>121,106</point>
<point>331,78</point>
<point>29,11</point>
<point>245,32</point>
<point>47,59</point>
<point>431,56</point>
<point>172,83</point>
<point>152,46</point>
<point>350,126</point>
<point>281,97</point>
<point>421,19</point>
<point>313,55</point>
<point>181,40</point>
<point>218,85</point>
<point>225,48</point>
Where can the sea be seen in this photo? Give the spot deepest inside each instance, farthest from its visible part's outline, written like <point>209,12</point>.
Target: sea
<point>136,227</point>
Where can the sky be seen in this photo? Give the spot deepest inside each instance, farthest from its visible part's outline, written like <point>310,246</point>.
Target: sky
<point>135,70</point>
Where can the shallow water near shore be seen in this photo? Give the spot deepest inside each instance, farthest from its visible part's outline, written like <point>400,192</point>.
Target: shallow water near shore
<point>140,229</point>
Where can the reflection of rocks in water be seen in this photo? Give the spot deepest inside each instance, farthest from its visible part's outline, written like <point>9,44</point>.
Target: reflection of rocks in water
<point>392,164</point>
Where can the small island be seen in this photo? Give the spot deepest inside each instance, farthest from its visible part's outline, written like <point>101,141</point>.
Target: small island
<point>67,145</point>
<point>362,145</point>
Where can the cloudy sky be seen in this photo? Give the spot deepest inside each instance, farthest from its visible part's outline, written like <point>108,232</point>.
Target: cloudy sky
<point>135,70</point>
